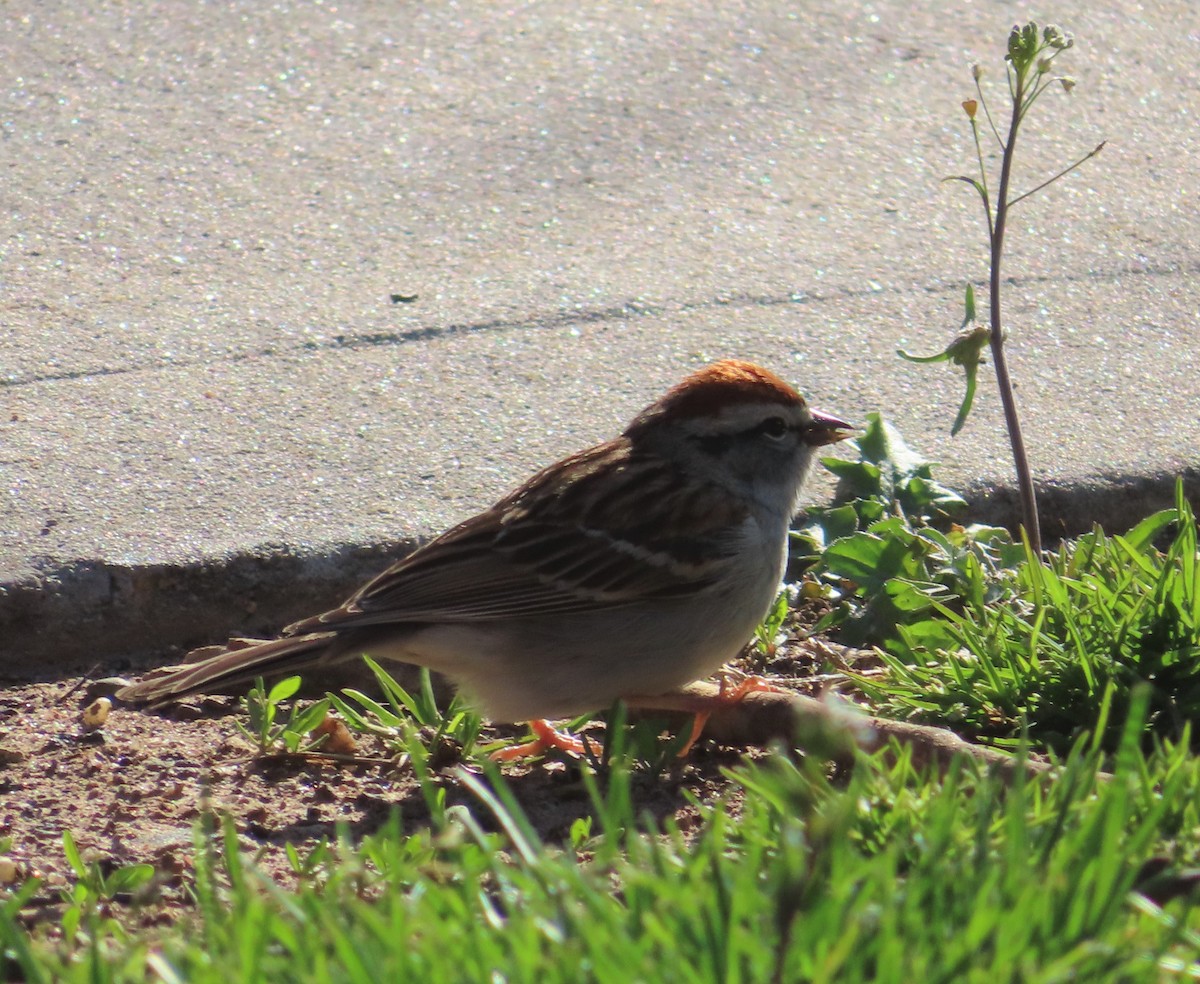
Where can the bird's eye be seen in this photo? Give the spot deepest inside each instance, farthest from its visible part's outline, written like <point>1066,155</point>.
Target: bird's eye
<point>773,427</point>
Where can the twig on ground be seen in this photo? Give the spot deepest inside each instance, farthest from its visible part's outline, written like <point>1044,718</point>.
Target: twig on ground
<point>822,728</point>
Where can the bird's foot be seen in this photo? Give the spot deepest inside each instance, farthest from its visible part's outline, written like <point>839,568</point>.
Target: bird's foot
<point>734,686</point>
<point>545,739</point>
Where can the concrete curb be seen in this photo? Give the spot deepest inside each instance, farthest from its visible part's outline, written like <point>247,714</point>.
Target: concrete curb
<point>78,614</point>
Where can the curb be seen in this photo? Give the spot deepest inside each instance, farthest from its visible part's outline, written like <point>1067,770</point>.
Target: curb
<point>84,613</point>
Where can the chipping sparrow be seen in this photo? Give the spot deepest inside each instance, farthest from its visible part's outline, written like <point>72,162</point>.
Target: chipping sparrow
<point>623,571</point>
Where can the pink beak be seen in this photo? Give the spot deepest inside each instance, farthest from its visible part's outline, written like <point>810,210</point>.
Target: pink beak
<point>826,429</point>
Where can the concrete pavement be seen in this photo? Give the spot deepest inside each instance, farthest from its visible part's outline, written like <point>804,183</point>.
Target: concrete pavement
<point>214,417</point>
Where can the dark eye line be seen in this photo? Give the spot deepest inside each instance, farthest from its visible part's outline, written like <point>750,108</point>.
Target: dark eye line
<point>717,444</point>
<point>774,427</point>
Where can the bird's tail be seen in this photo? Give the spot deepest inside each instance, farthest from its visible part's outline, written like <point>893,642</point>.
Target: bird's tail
<point>214,668</point>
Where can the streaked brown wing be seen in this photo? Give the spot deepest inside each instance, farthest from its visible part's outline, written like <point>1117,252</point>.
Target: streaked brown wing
<point>555,547</point>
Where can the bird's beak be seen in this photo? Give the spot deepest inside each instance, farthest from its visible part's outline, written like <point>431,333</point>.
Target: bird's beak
<point>826,429</point>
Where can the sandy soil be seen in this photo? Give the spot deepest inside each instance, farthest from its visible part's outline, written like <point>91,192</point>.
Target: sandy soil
<point>131,790</point>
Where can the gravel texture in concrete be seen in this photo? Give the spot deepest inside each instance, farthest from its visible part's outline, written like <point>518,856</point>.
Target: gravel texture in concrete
<point>287,285</point>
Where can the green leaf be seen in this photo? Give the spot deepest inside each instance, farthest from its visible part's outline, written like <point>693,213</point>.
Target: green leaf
<point>870,560</point>
<point>936,357</point>
<point>887,478</point>
<point>1145,532</point>
<point>828,525</point>
<point>399,697</point>
<point>922,491</point>
<point>129,877</point>
<point>973,182</point>
<point>968,400</point>
<point>304,722</point>
<point>385,716</point>
<point>74,859</point>
<point>283,690</point>
<point>883,445</point>
<point>965,350</point>
<point>863,473</point>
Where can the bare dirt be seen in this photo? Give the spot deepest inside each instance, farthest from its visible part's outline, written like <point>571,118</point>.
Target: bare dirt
<point>132,790</point>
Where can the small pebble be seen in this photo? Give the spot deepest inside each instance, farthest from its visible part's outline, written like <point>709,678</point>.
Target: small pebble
<point>96,713</point>
<point>338,739</point>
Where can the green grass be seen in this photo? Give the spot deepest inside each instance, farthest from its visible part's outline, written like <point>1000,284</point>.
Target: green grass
<point>893,875</point>
<point>1059,652</point>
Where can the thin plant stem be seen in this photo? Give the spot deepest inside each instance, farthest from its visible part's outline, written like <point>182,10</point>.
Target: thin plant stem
<point>1041,86</point>
<point>1064,171</point>
<point>987,208</point>
<point>999,360</point>
<point>988,113</point>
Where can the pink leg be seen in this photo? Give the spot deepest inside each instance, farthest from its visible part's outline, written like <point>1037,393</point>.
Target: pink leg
<point>733,688</point>
<point>545,738</point>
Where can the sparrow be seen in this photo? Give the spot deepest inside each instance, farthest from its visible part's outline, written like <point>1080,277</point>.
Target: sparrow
<point>624,571</point>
